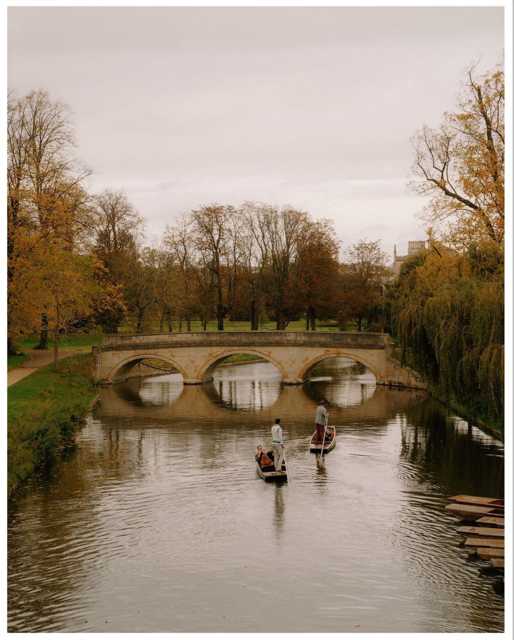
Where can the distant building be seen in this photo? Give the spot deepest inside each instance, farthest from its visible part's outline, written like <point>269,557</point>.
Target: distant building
<point>414,247</point>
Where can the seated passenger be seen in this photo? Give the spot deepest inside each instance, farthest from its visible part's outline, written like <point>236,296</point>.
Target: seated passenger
<point>262,457</point>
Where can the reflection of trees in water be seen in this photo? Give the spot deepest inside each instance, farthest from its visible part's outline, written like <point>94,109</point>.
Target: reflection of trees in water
<point>50,527</point>
<point>463,461</point>
<point>341,381</point>
<point>148,392</point>
<point>247,395</point>
<point>250,387</point>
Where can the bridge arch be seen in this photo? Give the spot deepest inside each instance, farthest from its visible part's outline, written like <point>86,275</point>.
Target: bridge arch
<point>209,366</point>
<point>302,374</point>
<point>127,364</point>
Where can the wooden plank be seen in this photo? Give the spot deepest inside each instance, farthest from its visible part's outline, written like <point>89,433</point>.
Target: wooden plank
<point>468,510</point>
<point>491,520</point>
<point>489,553</point>
<point>488,532</point>
<point>498,563</point>
<point>484,542</point>
<point>478,500</point>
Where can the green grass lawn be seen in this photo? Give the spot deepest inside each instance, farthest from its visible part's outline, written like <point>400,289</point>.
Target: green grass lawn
<point>44,411</point>
<point>16,361</point>
<point>72,341</point>
<point>83,341</point>
<point>232,325</point>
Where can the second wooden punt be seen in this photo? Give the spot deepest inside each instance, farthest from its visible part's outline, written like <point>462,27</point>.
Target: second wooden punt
<point>478,500</point>
<point>484,542</point>
<point>498,563</point>
<point>488,553</point>
<point>469,511</point>
<point>492,520</point>
<point>489,532</point>
<point>330,441</point>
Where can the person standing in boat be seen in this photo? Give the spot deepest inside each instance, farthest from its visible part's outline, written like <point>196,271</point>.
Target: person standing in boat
<point>277,442</point>
<point>321,419</point>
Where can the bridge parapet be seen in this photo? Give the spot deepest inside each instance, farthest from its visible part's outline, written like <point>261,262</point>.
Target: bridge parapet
<point>341,339</point>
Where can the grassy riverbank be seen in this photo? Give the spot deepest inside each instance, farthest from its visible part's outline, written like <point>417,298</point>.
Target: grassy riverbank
<point>44,412</point>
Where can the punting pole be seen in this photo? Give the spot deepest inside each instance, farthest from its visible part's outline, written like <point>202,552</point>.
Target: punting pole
<point>324,434</point>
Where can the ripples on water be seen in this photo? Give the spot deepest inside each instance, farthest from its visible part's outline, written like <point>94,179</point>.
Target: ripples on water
<point>159,522</point>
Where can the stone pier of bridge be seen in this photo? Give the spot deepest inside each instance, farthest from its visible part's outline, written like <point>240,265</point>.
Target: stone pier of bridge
<point>195,355</point>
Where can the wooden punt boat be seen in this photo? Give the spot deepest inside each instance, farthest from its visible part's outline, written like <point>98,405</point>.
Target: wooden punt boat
<point>330,441</point>
<point>497,503</point>
<point>497,563</point>
<point>487,554</point>
<point>486,532</point>
<point>492,521</point>
<point>269,473</point>
<point>471,511</point>
<point>491,543</point>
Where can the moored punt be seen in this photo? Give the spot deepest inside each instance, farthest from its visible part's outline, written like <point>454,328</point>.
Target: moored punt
<point>489,532</point>
<point>488,553</point>
<point>330,441</point>
<point>491,521</point>
<point>497,563</point>
<point>484,542</point>
<point>470,511</point>
<point>485,538</point>
<point>479,501</point>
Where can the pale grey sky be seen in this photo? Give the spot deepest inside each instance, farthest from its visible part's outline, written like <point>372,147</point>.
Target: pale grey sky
<point>309,107</point>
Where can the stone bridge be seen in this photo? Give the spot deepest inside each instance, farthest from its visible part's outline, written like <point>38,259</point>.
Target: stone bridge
<point>195,355</point>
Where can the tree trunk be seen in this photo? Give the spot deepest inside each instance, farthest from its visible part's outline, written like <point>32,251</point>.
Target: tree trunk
<point>281,322</point>
<point>11,347</point>
<point>56,348</point>
<point>169,320</point>
<point>140,320</point>
<point>204,324</point>
<point>254,317</point>
<point>161,321</point>
<point>220,315</point>
<point>307,321</point>
<point>43,335</point>
<point>188,321</point>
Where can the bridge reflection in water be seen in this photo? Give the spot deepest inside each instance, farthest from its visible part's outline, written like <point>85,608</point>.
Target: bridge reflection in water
<point>255,389</point>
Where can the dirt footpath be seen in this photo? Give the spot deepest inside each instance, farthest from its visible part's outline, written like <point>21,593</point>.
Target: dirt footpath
<point>35,360</point>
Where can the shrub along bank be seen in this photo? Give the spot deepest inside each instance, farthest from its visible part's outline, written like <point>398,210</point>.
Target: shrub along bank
<point>44,412</point>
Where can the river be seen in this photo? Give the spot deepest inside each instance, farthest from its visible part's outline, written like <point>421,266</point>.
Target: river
<point>158,521</point>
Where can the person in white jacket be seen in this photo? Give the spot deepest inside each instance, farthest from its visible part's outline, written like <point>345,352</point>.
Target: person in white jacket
<point>277,442</point>
<point>321,420</point>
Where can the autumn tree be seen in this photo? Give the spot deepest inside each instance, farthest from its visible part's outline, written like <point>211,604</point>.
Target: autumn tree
<point>316,273</point>
<point>211,237</point>
<point>46,199</point>
<point>141,289</point>
<point>460,165</point>
<point>277,234</point>
<point>362,283</point>
<point>193,289</point>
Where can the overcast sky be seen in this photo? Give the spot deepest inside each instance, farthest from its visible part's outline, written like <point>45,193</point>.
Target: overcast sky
<point>309,107</point>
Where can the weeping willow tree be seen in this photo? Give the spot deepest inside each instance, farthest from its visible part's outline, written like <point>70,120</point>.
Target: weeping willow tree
<point>447,312</point>
<point>447,306</point>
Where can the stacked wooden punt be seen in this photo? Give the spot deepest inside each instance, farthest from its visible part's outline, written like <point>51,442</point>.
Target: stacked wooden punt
<point>483,530</point>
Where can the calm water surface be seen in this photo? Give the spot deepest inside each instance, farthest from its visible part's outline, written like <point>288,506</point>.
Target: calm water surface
<point>158,521</point>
